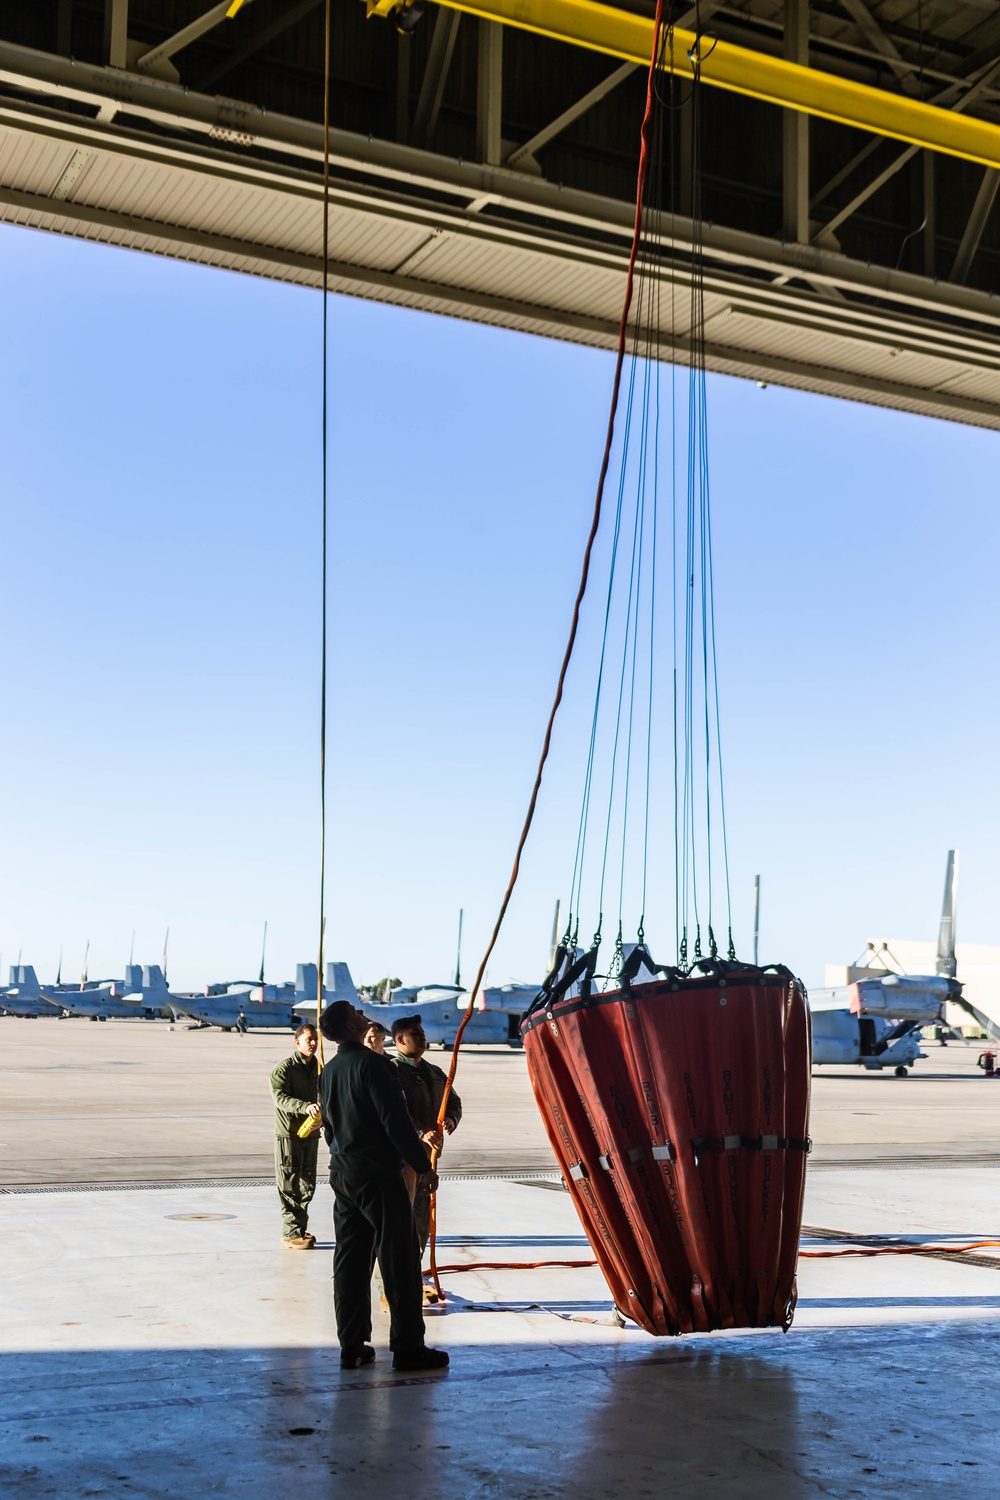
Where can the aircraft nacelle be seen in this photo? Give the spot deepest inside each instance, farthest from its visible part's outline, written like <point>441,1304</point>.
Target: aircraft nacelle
<point>895,996</point>
<point>441,1019</point>
<point>511,999</point>
<point>843,1039</point>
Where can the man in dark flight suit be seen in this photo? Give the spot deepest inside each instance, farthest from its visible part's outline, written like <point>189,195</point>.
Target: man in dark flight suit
<point>370,1137</point>
<point>423,1089</point>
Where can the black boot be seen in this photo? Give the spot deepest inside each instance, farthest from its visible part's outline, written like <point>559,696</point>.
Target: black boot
<point>420,1359</point>
<point>353,1358</point>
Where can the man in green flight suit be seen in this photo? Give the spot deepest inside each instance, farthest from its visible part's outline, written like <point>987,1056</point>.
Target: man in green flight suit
<point>295,1088</point>
<point>423,1089</point>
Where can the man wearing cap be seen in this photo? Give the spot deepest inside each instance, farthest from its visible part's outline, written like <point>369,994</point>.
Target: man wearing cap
<point>295,1090</point>
<point>370,1136</point>
<point>375,1038</point>
<point>423,1089</point>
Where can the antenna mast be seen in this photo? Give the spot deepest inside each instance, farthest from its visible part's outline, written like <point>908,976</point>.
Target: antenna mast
<point>166,944</point>
<point>263,950</point>
<point>458,960</point>
<point>756,915</point>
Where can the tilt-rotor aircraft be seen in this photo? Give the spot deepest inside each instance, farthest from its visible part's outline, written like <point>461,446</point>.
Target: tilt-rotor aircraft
<point>496,1017</point>
<point>141,995</point>
<point>876,1020</point>
<point>24,996</point>
<point>267,1006</point>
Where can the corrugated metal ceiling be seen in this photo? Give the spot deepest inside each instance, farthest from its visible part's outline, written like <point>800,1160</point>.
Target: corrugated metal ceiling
<point>416,228</point>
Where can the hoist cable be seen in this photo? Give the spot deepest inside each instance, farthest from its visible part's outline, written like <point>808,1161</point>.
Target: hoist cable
<point>576,883</point>
<point>731,951</point>
<point>581,843</point>
<point>620,781</point>
<point>699,487</point>
<point>643,347</point>
<point>655,321</point>
<point>323,548</point>
<point>629,634</point>
<point>581,847</point>
<point>674,153</point>
<point>575,620</point>
<point>652,652</point>
<point>641,529</point>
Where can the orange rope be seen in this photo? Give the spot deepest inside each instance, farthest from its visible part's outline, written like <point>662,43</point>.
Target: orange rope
<point>514,1265</point>
<point>898,1250</point>
<point>575,1265</point>
<point>574,624</point>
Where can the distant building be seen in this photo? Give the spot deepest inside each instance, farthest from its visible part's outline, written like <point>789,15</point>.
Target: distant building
<point>978,969</point>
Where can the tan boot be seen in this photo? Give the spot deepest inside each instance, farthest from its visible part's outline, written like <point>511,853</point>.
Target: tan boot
<point>302,1242</point>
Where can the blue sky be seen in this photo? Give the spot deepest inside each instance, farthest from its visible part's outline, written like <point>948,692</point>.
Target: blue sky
<point>159,658</point>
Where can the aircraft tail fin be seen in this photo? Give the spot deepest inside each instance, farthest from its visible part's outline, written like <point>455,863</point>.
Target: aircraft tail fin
<point>25,979</point>
<point>305,980</point>
<point>340,984</point>
<point>153,979</point>
<point>947,964</point>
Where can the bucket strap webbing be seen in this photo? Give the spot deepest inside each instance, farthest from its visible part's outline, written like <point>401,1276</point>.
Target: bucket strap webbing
<point>704,1145</point>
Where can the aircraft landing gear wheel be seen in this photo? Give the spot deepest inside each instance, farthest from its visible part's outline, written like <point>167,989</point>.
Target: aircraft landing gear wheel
<point>901,1072</point>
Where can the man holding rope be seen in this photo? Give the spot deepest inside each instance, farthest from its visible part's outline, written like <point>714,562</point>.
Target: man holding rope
<point>423,1089</point>
<point>370,1137</point>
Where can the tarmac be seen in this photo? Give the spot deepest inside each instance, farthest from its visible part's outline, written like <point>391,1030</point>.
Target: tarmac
<point>159,1342</point>
<point>136,1102</point>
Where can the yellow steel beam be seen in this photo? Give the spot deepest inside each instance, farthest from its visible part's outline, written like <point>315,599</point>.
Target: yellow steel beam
<point>619,33</point>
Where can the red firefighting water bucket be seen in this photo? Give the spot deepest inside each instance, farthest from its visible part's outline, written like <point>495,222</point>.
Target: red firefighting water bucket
<point>678,1111</point>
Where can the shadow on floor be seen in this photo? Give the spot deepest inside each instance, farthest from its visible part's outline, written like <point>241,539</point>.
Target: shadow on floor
<point>834,1413</point>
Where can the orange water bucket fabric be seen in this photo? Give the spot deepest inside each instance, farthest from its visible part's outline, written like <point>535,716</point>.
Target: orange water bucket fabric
<point>678,1111</point>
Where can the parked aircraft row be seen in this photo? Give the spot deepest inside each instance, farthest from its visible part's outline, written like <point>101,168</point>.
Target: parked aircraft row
<point>874,1022</point>
<point>143,995</point>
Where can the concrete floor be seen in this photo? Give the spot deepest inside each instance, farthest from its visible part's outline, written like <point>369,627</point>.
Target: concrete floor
<point>159,1342</point>
<point>150,1353</point>
<point>133,1102</point>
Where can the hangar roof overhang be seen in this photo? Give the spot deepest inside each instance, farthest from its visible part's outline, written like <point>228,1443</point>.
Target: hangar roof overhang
<point>494,180</point>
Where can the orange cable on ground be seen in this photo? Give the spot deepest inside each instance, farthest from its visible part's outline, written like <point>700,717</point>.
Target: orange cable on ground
<point>514,1265</point>
<point>575,1265</point>
<point>581,590</point>
<point>927,1249</point>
